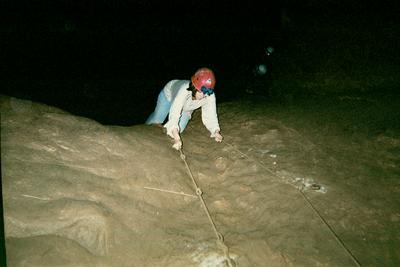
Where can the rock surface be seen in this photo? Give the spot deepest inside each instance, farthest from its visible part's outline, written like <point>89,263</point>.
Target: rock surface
<point>78,193</point>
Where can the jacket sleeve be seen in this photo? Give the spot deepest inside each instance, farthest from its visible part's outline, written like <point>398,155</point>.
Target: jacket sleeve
<point>176,111</point>
<point>209,115</point>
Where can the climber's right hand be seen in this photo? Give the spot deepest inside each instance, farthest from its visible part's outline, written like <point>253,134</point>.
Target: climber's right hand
<point>177,144</point>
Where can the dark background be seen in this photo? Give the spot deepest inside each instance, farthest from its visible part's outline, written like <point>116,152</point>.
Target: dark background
<point>108,59</point>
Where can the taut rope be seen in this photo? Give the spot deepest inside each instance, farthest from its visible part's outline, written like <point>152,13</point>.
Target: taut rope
<point>332,231</point>
<point>199,193</point>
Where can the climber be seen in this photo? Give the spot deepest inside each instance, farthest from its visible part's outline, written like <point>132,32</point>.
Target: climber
<point>179,98</point>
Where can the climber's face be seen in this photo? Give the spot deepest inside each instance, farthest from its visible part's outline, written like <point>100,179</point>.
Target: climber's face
<point>199,95</point>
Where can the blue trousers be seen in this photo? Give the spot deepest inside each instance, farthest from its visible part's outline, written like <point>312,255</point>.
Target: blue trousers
<point>162,110</point>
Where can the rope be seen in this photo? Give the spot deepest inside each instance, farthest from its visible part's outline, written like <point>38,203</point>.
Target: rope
<point>332,231</point>
<point>357,263</point>
<point>41,198</point>
<point>199,193</point>
<point>168,191</point>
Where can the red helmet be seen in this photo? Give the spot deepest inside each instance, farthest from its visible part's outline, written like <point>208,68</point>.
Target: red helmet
<point>203,77</point>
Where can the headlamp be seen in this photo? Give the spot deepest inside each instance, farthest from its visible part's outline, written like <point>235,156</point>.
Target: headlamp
<point>207,91</point>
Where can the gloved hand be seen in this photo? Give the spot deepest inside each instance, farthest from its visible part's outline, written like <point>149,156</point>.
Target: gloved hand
<point>218,137</point>
<point>177,144</point>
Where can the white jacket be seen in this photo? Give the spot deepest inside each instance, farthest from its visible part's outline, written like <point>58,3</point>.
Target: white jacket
<point>176,92</point>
